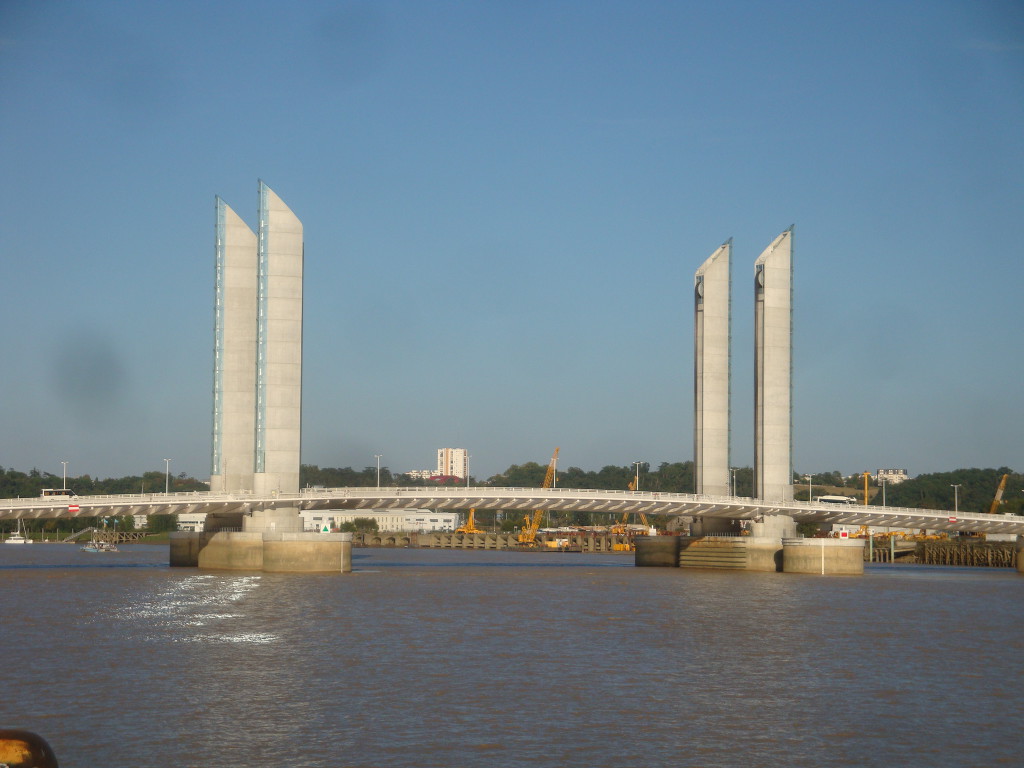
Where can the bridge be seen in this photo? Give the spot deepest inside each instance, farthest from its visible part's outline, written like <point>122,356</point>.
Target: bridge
<point>513,499</point>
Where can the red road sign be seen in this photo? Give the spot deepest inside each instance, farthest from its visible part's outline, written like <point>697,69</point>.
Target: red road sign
<point>72,507</point>
<point>952,519</point>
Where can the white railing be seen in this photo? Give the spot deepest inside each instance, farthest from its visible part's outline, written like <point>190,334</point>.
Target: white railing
<point>579,498</point>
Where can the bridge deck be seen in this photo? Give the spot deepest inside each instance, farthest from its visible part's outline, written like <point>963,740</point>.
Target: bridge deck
<point>513,499</point>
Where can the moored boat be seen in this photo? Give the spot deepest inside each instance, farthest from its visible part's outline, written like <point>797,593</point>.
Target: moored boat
<point>99,546</point>
<point>18,537</point>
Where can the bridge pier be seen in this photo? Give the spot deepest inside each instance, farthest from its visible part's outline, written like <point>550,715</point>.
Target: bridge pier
<point>273,520</point>
<point>271,551</point>
<point>765,544</point>
<point>768,552</point>
<point>827,557</point>
<point>1019,551</point>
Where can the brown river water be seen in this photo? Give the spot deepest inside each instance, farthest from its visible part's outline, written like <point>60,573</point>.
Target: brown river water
<point>461,658</point>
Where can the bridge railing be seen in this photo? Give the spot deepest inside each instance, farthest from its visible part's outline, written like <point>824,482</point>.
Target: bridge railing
<point>721,506</point>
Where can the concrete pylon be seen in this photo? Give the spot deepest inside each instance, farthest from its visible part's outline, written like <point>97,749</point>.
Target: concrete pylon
<point>258,404</point>
<point>773,356</point>
<point>278,426</point>
<point>711,371</point>
<point>278,347</point>
<point>258,359</point>
<point>234,355</point>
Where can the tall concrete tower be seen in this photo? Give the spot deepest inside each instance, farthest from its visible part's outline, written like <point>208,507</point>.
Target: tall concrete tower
<point>257,391</point>
<point>278,347</point>
<point>257,404</point>
<point>234,354</point>
<point>711,371</point>
<point>773,370</point>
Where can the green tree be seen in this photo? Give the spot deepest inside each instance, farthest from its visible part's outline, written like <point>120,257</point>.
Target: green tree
<point>359,525</point>
<point>162,523</point>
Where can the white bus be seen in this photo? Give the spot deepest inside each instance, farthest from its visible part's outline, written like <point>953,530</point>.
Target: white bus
<point>56,493</point>
<point>835,500</point>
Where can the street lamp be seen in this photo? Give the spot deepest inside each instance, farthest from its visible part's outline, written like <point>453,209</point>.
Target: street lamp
<point>636,479</point>
<point>167,475</point>
<point>377,456</point>
<point>810,488</point>
<point>883,491</point>
<point>468,457</point>
<point>733,470</point>
<point>956,496</point>
<point>64,487</point>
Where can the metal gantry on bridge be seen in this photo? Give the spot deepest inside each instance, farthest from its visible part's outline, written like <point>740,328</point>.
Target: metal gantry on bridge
<point>513,499</point>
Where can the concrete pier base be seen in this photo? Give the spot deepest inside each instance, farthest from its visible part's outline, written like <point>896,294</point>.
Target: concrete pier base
<point>231,551</point>
<point>718,552</point>
<point>184,549</point>
<point>827,557</point>
<point>307,552</point>
<point>1019,550</point>
<point>764,549</point>
<point>268,552</point>
<point>764,553</point>
<point>656,551</point>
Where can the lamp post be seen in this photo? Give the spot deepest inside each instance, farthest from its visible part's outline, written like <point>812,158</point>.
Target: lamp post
<point>733,470</point>
<point>167,475</point>
<point>636,478</point>
<point>468,457</point>
<point>810,488</point>
<point>64,485</point>
<point>883,491</point>
<point>377,456</point>
<point>956,496</point>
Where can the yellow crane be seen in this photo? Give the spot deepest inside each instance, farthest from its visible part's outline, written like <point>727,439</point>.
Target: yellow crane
<point>470,526</point>
<point>994,509</point>
<point>528,536</point>
<point>619,528</point>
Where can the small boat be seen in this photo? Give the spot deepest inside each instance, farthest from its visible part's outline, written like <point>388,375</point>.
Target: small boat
<point>99,546</point>
<point>18,537</point>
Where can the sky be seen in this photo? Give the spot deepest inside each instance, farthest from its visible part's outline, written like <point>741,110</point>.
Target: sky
<point>504,205</point>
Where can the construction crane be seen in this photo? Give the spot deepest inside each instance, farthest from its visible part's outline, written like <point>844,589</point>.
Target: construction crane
<point>528,536</point>
<point>470,526</point>
<point>619,528</point>
<point>643,521</point>
<point>994,509</point>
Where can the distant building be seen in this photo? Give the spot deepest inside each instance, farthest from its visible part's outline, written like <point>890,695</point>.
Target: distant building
<point>191,521</point>
<point>453,462</point>
<point>317,520</point>
<point>420,520</point>
<point>420,474</point>
<point>891,476</point>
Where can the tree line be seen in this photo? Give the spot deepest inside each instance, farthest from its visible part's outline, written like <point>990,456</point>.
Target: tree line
<point>23,485</point>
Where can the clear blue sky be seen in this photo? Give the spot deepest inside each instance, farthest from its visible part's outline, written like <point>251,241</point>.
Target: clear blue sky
<point>504,204</point>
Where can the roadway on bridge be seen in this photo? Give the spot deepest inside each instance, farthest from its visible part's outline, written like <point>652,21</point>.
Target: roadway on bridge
<point>513,499</point>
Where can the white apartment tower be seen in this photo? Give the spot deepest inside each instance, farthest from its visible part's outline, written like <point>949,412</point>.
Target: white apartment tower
<point>453,462</point>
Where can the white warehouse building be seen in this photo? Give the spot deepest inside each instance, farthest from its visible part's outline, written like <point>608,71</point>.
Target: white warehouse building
<point>399,520</point>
